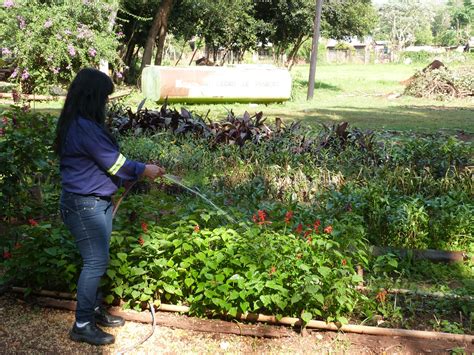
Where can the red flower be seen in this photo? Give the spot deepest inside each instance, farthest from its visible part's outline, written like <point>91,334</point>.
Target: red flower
<point>288,216</point>
<point>316,225</point>
<point>7,255</point>
<point>196,228</point>
<point>272,270</point>
<point>310,240</point>
<point>141,241</point>
<point>261,217</point>
<point>344,262</point>
<point>299,229</point>
<point>328,230</point>
<point>381,296</point>
<point>32,222</point>
<point>308,232</point>
<point>144,227</point>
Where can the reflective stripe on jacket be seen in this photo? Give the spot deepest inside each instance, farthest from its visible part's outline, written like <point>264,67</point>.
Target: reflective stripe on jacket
<point>91,164</point>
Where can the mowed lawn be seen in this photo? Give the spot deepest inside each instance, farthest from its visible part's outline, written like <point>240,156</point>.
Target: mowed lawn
<point>366,96</point>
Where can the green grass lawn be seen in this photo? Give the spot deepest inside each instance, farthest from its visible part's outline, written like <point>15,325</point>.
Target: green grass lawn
<point>363,95</point>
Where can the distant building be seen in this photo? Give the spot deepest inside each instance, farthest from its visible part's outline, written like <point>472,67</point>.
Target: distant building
<point>347,52</point>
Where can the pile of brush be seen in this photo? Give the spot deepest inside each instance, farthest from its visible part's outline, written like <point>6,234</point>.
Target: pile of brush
<point>438,82</point>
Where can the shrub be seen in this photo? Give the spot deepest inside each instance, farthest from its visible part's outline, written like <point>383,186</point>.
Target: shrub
<point>48,43</point>
<point>29,167</point>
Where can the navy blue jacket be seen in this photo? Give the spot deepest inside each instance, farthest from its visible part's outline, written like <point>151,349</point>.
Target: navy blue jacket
<point>91,163</point>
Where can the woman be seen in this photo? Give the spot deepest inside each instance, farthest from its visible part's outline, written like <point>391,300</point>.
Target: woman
<point>91,169</point>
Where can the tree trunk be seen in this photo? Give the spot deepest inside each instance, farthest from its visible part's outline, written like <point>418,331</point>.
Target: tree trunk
<point>181,54</point>
<point>291,60</point>
<point>130,46</point>
<point>223,58</point>
<point>214,54</point>
<point>161,41</point>
<point>160,19</point>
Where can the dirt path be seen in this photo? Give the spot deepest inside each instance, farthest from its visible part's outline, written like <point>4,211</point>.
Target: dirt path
<point>25,328</point>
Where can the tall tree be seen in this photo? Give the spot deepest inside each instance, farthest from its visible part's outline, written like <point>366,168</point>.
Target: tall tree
<point>400,20</point>
<point>159,27</point>
<point>289,23</point>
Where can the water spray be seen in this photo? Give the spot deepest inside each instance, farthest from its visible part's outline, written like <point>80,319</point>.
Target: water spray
<point>177,181</point>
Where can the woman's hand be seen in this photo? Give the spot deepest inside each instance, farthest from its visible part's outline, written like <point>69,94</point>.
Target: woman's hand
<point>153,171</point>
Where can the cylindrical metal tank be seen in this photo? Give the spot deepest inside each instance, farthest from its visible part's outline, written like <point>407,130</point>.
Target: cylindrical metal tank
<point>242,83</point>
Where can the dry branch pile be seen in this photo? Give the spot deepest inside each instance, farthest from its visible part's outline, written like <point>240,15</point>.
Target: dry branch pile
<point>441,83</point>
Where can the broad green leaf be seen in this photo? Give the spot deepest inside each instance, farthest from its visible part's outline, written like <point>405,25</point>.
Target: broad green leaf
<point>342,320</point>
<point>118,290</point>
<point>122,256</point>
<point>244,306</point>
<point>324,271</point>
<point>295,298</point>
<point>169,288</point>
<point>109,299</point>
<point>188,281</point>
<point>306,316</point>
<point>319,297</point>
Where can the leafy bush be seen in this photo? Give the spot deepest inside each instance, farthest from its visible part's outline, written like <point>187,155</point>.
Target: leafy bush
<point>39,250</point>
<point>48,43</point>
<point>422,57</point>
<point>29,170</point>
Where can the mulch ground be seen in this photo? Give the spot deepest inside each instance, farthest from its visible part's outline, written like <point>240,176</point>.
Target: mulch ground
<point>27,328</point>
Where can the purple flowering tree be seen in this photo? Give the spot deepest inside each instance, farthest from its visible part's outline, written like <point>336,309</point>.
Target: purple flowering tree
<point>48,44</point>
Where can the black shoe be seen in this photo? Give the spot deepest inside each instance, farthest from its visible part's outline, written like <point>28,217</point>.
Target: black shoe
<point>105,319</point>
<point>91,334</point>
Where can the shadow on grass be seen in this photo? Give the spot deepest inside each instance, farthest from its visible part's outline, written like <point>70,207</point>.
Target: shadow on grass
<point>303,83</point>
<point>419,118</point>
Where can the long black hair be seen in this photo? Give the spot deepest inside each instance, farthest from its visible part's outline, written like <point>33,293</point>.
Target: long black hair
<point>86,97</point>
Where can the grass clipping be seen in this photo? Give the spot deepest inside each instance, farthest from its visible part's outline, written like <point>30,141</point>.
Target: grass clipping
<point>441,83</point>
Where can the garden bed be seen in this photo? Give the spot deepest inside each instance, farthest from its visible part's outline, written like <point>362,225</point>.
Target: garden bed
<point>298,212</point>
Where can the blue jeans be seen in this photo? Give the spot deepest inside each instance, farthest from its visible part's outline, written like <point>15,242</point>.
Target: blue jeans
<point>89,219</point>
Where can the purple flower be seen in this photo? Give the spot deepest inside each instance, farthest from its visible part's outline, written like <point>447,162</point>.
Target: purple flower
<point>6,52</point>
<point>120,34</point>
<point>25,75</point>
<point>92,52</point>
<point>71,50</point>
<point>48,23</point>
<point>119,75</point>
<point>69,66</point>
<point>83,31</point>
<point>56,70</point>
<point>15,73</point>
<point>8,3</point>
<point>21,22</point>
<point>67,32</point>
